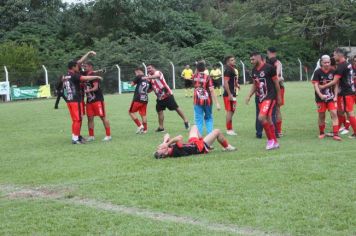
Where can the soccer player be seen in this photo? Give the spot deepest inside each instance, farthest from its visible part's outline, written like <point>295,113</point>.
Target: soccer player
<point>59,91</point>
<point>73,97</point>
<point>95,105</point>
<point>272,60</point>
<point>140,100</point>
<point>215,74</point>
<point>344,77</point>
<point>187,74</point>
<point>354,72</point>
<point>165,98</point>
<point>266,85</point>
<point>174,147</point>
<point>204,95</point>
<point>326,99</point>
<point>230,87</point>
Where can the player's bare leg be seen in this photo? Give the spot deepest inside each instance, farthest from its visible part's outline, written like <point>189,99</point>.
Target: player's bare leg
<point>140,127</point>
<point>144,123</point>
<point>160,121</point>
<point>181,114</point>
<point>351,117</point>
<point>279,121</point>
<point>321,123</point>
<point>216,134</point>
<point>194,132</point>
<point>106,124</point>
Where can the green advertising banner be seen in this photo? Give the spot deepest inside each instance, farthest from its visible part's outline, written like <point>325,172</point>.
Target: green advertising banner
<point>127,87</point>
<point>18,93</point>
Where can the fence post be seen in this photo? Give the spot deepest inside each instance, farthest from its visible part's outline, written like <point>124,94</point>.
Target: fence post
<point>144,65</point>
<point>119,78</point>
<point>300,70</point>
<point>222,73</point>
<point>8,83</point>
<point>173,75</point>
<point>243,71</point>
<point>46,73</point>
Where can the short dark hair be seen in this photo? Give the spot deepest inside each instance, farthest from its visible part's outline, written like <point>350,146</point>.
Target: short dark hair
<point>341,51</point>
<point>158,155</point>
<point>228,58</point>
<point>200,66</point>
<point>252,54</point>
<point>272,49</point>
<point>139,68</point>
<point>72,64</point>
<point>151,64</point>
<point>89,63</point>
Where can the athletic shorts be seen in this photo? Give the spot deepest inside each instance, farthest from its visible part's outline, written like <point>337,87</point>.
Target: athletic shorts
<point>230,105</point>
<point>266,107</point>
<point>139,107</point>
<point>169,103</point>
<point>96,109</point>
<point>75,110</point>
<point>201,145</point>
<point>217,83</point>
<point>326,106</point>
<point>188,83</point>
<point>282,96</point>
<point>345,103</point>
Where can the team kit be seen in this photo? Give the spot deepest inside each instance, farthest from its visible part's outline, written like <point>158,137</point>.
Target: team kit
<point>334,83</point>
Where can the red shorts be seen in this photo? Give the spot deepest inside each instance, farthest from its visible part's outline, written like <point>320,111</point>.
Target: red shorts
<point>229,105</point>
<point>266,107</point>
<point>138,107</point>
<point>83,107</point>
<point>282,96</point>
<point>96,109</point>
<point>324,106</point>
<point>345,103</point>
<point>199,142</point>
<point>76,110</point>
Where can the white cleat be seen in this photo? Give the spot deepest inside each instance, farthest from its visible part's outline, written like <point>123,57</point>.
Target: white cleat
<point>229,148</point>
<point>343,131</point>
<point>139,130</point>
<point>231,132</point>
<point>107,139</point>
<point>270,145</point>
<point>90,138</point>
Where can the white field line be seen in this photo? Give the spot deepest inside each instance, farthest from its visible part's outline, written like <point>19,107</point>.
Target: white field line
<point>15,192</point>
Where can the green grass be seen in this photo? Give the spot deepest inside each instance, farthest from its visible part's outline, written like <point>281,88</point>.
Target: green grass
<point>307,187</point>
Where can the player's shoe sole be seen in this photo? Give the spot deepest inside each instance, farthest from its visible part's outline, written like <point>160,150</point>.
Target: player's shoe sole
<point>231,133</point>
<point>159,130</point>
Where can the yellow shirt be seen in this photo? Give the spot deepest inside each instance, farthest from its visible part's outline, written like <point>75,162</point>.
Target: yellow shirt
<point>215,74</point>
<point>237,73</point>
<point>187,74</point>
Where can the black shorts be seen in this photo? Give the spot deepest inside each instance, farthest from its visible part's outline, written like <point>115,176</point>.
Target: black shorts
<point>188,83</point>
<point>217,83</point>
<point>169,103</point>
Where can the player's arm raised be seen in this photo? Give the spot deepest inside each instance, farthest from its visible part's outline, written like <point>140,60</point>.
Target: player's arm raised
<point>90,77</point>
<point>83,58</point>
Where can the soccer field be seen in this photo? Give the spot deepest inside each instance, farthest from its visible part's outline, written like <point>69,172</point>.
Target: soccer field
<point>50,187</point>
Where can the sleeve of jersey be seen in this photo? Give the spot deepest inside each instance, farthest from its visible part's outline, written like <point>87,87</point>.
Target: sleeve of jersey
<point>274,74</point>
<point>227,75</point>
<point>315,79</point>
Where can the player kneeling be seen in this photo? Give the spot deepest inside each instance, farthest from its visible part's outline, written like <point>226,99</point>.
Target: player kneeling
<point>174,147</point>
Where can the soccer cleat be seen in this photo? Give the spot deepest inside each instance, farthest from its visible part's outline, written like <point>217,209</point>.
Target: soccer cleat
<point>353,136</point>
<point>144,132</point>
<point>82,139</point>
<point>159,129</point>
<point>231,132</point>
<point>321,136</point>
<point>77,142</point>
<point>329,134</point>
<point>275,145</point>
<point>270,145</point>
<point>107,138</point>
<point>186,125</point>
<point>280,135</point>
<point>139,129</point>
<point>90,138</point>
<point>344,131</point>
<point>337,138</point>
<point>229,148</point>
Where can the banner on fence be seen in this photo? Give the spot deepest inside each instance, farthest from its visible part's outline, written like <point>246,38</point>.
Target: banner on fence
<point>4,88</point>
<point>127,87</point>
<point>18,93</point>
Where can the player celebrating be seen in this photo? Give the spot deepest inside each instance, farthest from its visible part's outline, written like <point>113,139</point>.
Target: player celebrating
<point>140,100</point>
<point>174,147</point>
<point>73,97</point>
<point>272,60</point>
<point>230,87</point>
<point>266,85</point>
<point>203,96</point>
<point>95,105</point>
<point>343,77</point>
<point>187,75</point>
<point>165,98</point>
<point>326,98</point>
<point>354,72</point>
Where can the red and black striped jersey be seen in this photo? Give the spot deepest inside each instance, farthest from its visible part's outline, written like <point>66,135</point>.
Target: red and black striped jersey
<point>202,84</point>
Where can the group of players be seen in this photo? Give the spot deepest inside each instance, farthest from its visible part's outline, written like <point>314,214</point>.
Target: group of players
<point>334,90</point>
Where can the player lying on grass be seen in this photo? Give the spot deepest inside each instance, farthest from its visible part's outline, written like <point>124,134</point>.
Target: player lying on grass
<point>174,147</point>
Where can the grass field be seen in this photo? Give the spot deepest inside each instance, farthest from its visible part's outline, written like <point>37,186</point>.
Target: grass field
<point>307,187</point>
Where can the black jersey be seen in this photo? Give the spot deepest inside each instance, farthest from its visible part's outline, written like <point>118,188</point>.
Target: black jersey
<point>230,73</point>
<point>71,87</point>
<point>323,77</point>
<point>141,90</point>
<point>274,62</point>
<point>346,84</point>
<point>94,96</point>
<point>263,78</point>
<point>184,150</point>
